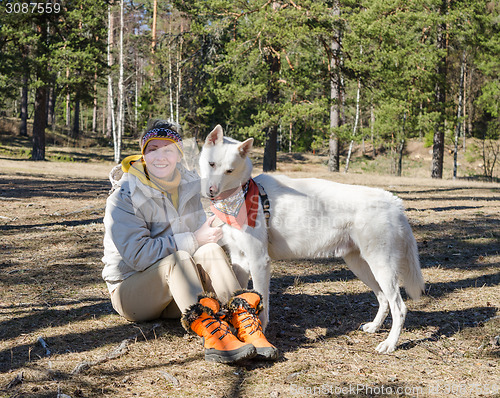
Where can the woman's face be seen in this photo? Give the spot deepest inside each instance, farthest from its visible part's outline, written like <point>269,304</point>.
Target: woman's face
<point>161,158</point>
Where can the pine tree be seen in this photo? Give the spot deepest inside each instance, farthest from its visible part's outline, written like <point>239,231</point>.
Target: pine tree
<point>40,119</point>
<point>78,54</point>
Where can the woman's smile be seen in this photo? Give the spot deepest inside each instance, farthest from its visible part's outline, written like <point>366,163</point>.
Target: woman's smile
<point>161,157</point>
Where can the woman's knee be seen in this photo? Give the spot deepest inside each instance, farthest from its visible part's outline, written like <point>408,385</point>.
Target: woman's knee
<point>182,256</point>
<point>210,249</point>
<point>211,257</point>
<point>175,258</point>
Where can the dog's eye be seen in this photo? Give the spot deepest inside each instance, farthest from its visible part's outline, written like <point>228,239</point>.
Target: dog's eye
<point>229,171</point>
<point>211,164</point>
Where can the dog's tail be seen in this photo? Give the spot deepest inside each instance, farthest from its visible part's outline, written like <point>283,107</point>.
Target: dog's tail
<point>410,271</point>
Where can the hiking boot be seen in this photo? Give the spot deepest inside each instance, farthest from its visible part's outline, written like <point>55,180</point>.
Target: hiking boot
<point>221,345</point>
<point>244,308</point>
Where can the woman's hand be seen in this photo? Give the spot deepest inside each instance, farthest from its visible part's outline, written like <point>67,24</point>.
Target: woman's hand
<point>207,233</point>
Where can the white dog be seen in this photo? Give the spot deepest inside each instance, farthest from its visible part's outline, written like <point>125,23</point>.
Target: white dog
<point>312,218</point>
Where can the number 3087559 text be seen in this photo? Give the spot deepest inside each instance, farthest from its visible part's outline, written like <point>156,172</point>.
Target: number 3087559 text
<point>32,8</point>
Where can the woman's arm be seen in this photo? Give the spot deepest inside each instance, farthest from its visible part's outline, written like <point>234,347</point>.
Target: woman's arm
<point>131,235</point>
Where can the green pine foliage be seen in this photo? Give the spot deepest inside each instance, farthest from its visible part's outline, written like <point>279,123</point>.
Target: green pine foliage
<point>260,65</point>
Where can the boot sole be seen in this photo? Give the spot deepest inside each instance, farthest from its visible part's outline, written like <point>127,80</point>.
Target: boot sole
<point>246,352</point>
<point>267,353</point>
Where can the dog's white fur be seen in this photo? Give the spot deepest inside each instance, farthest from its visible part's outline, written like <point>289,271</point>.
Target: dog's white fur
<point>312,218</point>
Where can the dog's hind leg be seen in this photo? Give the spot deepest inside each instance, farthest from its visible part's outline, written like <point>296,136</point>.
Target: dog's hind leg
<point>387,279</point>
<point>362,270</point>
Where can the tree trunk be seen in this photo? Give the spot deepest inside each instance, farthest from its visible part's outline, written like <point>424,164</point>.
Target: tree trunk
<point>179,76</point>
<point>153,28</point>
<point>23,128</point>
<point>51,104</point>
<point>53,109</point>
<point>153,38</point>
<point>75,132</point>
<point>335,98</point>
<point>356,121</point>
<point>372,128</point>
<point>399,164</point>
<point>40,118</point>
<point>120,129</point>
<point>110,121</point>
<point>271,148</point>
<point>438,144</point>
<point>136,97</point>
<point>39,124</point>
<point>68,101</point>
<point>94,111</point>
<point>420,116</point>
<point>400,147</point>
<point>170,88</point>
<point>459,115</point>
<point>469,107</point>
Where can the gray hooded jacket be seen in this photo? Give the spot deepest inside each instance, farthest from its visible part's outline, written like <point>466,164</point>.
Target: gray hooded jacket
<point>142,226</point>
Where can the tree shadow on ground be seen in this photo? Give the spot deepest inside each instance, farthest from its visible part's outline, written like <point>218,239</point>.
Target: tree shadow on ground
<point>13,229</point>
<point>459,243</point>
<point>293,317</point>
<point>293,314</point>
<point>30,319</point>
<point>412,195</point>
<point>61,188</point>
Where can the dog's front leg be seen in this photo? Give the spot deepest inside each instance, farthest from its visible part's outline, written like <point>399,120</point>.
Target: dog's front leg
<point>260,268</point>
<point>248,251</point>
<point>241,267</point>
<point>246,262</point>
<point>232,244</point>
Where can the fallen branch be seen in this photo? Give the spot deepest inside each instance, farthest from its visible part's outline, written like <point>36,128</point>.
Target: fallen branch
<point>117,352</point>
<point>44,345</point>
<point>8,218</point>
<point>60,394</point>
<point>169,378</point>
<point>16,381</point>
<point>83,209</point>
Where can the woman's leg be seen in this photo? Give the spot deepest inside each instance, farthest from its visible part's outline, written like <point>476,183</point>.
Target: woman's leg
<point>147,294</point>
<point>216,271</point>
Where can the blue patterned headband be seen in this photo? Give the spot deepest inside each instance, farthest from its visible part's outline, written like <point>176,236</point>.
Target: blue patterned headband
<point>162,134</point>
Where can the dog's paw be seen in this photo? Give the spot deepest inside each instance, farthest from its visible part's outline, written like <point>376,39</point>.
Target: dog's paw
<point>370,327</point>
<point>386,347</point>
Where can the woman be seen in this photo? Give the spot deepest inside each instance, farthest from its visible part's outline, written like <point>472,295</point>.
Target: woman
<point>161,254</point>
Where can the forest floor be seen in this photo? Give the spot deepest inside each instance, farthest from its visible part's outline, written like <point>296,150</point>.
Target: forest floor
<point>60,335</point>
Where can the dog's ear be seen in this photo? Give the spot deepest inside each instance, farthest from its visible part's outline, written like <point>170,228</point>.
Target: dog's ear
<point>244,147</point>
<point>215,137</point>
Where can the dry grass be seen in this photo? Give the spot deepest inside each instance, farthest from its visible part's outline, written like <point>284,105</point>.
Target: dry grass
<point>50,287</point>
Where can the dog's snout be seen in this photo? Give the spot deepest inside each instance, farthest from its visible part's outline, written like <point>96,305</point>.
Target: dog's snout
<point>213,190</point>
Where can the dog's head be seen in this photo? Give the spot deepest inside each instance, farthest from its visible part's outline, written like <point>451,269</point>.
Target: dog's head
<point>224,164</point>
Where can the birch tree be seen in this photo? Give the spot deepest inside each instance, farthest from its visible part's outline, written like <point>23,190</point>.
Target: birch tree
<point>459,114</point>
<point>335,95</point>
<point>355,128</point>
<point>110,119</point>
<point>117,138</point>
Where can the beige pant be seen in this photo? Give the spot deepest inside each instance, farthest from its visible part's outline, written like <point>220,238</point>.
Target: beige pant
<point>168,287</point>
